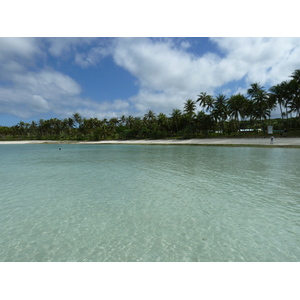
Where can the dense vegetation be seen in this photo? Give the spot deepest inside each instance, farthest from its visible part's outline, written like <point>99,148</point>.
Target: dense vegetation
<point>219,116</point>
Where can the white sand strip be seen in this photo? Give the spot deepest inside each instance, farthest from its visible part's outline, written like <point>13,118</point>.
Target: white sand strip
<point>25,142</point>
<point>213,141</point>
<point>224,141</point>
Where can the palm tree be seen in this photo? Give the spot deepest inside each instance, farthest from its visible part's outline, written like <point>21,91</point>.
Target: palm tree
<point>236,107</point>
<point>294,106</point>
<point>149,116</point>
<point>261,104</point>
<point>296,75</point>
<point>123,120</point>
<point>259,97</point>
<point>271,104</point>
<point>220,111</point>
<point>163,123</point>
<point>294,94</point>
<point>130,121</point>
<point>149,120</point>
<point>77,119</point>
<point>33,129</point>
<point>277,95</point>
<point>71,123</point>
<point>289,91</point>
<point>206,101</point>
<point>176,117</point>
<point>254,90</point>
<point>189,109</point>
<point>204,122</point>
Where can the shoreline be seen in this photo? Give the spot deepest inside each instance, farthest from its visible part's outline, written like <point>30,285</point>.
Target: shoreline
<point>235,142</point>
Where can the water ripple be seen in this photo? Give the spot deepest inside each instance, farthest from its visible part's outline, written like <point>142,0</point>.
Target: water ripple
<point>146,203</point>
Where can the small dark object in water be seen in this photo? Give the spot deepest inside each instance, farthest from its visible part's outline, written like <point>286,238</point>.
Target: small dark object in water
<point>59,148</point>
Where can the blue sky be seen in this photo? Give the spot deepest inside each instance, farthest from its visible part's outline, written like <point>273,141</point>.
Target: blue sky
<point>43,78</point>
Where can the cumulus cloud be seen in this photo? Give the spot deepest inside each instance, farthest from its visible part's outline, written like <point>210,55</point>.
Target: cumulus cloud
<point>101,110</point>
<point>161,67</point>
<point>92,57</point>
<point>28,90</point>
<point>59,46</point>
<point>167,72</point>
<point>39,104</point>
<point>17,54</point>
<point>155,64</point>
<point>51,84</point>
<point>265,60</point>
<point>34,92</point>
<point>15,47</point>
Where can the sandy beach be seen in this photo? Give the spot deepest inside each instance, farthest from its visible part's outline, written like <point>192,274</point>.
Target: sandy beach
<point>260,142</point>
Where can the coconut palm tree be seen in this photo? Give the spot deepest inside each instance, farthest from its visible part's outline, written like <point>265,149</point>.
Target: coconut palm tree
<point>296,75</point>
<point>290,92</point>
<point>163,123</point>
<point>220,111</point>
<point>260,100</point>
<point>271,104</point>
<point>123,120</point>
<point>254,90</point>
<point>204,122</point>
<point>77,119</point>
<point>294,106</point>
<point>149,117</point>
<point>236,107</point>
<point>205,101</point>
<point>130,121</point>
<point>277,95</point>
<point>189,109</point>
<point>176,117</point>
<point>33,129</point>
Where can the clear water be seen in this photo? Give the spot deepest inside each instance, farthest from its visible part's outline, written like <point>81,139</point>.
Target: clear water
<point>149,203</point>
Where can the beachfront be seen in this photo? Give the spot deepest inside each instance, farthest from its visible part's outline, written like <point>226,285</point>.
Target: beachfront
<point>278,142</point>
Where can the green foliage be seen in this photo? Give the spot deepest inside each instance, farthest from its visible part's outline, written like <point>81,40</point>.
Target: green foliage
<point>220,116</point>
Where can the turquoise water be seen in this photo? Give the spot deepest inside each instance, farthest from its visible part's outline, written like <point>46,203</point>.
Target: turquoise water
<point>149,203</point>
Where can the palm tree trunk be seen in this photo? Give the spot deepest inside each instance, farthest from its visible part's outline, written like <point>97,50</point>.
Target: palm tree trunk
<point>281,111</point>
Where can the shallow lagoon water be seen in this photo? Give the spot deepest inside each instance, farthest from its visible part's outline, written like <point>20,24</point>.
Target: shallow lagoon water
<point>149,203</point>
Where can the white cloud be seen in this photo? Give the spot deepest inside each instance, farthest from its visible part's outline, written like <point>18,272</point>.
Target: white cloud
<point>265,60</point>
<point>39,92</point>
<point>158,102</point>
<point>17,54</point>
<point>168,75</point>
<point>185,45</point>
<point>31,90</point>
<point>166,70</point>
<point>105,109</point>
<point>59,46</point>
<point>12,47</point>
<point>39,104</point>
<point>49,83</point>
<point>92,57</point>
<point>155,64</point>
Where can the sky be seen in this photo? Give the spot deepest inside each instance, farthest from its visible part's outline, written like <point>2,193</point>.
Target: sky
<point>45,75</point>
<point>42,78</point>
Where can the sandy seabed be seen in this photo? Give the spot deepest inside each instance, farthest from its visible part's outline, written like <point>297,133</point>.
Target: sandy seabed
<point>279,142</point>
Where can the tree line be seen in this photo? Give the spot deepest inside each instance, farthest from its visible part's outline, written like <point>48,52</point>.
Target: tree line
<point>219,114</point>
